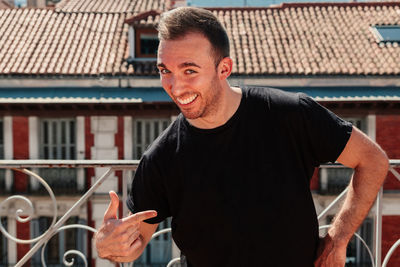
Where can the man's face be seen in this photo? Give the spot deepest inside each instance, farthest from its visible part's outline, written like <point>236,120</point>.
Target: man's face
<point>189,75</point>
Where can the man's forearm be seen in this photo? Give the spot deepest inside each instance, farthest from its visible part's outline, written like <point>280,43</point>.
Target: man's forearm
<point>363,188</point>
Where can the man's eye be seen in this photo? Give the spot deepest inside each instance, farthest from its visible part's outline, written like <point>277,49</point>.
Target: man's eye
<point>190,71</point>
<point>163,71</point>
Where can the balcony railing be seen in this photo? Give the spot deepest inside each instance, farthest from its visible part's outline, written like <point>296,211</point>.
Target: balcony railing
<point>57,225</point>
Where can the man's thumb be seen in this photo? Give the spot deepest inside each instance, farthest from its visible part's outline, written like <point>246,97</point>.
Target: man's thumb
<point>111,212</point>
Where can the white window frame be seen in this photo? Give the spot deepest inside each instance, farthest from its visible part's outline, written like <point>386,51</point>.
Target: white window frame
<point>55,151</point>
<point>148,133</point>
<point>160,249</point>
<point>80,243</point>
<point>59,144</point>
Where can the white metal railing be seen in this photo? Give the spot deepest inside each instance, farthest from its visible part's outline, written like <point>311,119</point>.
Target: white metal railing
<point>126,166</point>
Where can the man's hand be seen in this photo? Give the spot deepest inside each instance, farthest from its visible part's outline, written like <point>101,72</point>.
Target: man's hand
<point>330,254</point>
<point>121,240</point>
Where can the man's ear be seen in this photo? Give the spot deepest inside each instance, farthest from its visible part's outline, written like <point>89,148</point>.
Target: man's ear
<point>225,68</point>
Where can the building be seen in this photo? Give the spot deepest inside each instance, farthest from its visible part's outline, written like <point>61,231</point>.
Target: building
<point>78,81</point>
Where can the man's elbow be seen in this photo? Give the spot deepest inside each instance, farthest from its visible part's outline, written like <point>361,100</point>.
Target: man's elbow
<point>384,162</point>
<point>378,162</point>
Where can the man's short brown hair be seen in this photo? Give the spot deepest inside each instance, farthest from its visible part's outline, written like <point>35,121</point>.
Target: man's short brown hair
<point>176,23</point>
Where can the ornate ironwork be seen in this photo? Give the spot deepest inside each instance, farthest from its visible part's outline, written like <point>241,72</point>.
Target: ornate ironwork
<point>42,240</point>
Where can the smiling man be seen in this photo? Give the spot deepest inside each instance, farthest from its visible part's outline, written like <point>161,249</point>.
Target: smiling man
<point>233,170</point>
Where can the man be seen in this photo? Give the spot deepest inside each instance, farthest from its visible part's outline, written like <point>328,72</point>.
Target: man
<point>233,170</point>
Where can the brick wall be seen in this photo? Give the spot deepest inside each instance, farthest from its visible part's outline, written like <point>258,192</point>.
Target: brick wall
<point>390,234</point>
<point>21,151</point>
<point>388,136</point>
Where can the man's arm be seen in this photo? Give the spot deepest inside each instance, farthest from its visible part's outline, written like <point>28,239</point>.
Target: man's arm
<point>370,165</point>
<point>123,240</point>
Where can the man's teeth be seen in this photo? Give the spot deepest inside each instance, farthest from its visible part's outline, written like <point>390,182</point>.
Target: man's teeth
<point>185,101</point>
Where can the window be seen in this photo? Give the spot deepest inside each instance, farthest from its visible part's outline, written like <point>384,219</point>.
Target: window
<point>387,33</point>
<point>334,180</point>
<point>70,239</point>
<point>146,43</point>
<point>357,255</point>
<point>58,141</point>
<point>52,2</point>
<point>159,250</point>
<point>145,131</point>
<point>3,244</point>
<point>2,171</point>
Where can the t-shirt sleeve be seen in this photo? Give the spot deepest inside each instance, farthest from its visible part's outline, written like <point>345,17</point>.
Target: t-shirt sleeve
<point>148,192</point>
<point>326,133</point>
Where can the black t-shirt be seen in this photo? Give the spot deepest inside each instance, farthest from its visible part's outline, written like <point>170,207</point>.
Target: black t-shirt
<point>239,194</point>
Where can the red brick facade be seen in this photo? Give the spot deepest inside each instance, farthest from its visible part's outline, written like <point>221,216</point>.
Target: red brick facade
<point>23,232</point>
<point>119,143</point>
<point>388,136</point>
<point>89,143</point>
<point>390,234</point>
<point>21,151</point>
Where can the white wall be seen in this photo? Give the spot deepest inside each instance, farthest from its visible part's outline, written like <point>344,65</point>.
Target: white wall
<point>104,129</point>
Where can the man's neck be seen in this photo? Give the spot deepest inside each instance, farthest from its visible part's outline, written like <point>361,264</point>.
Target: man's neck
<point>230,103</point>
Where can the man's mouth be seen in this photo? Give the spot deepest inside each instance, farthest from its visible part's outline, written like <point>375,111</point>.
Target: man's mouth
<point>186,100</point>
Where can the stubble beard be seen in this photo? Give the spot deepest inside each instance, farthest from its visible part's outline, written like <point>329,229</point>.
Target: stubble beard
<point>210,103</point>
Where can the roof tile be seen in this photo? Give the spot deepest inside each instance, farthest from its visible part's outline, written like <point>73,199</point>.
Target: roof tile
<point>107,6</point>
<point>297,39</point>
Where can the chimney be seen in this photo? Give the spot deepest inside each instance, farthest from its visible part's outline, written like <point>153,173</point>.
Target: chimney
<point>177,3</point>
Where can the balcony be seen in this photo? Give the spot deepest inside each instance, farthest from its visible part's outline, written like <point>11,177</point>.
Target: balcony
<point>52,228</point>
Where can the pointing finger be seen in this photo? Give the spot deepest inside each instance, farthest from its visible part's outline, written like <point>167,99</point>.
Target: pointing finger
<point>140,216</point>
<point>111,212</point>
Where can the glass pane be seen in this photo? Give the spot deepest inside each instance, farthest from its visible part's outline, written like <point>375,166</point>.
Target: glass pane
<point>72,153</point>
<point>2,181</point>
<point>54,131</point>
<point>45,132</point>
<point>389,33</point>
<point>147,133</point>
<point>46,152</point>
<point>70,240</point>
<point>165,125</point>
<point>156,129</point>
<point>54,156</point>
<point>1,133</point>
<point>139,152</point>
<point>158,251</point>
<point>53,248</point>
<point>72,132</point>
<point>338,179</point>
<point>63,133</point>
<point>148,44</point>
<point>63,152</point>
<point>61,180</point>
<point>139,132</point>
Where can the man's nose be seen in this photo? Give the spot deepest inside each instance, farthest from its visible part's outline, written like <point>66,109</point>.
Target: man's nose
<point>177,86</point>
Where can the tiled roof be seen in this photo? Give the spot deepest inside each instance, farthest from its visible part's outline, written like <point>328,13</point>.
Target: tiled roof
<point>111,6</point>
<point>292,39</point>
<point>309,38</point>
<point>45,42</point>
